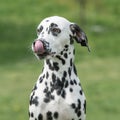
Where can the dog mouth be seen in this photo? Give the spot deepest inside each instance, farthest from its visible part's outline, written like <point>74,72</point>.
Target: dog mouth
<point>41,48</point>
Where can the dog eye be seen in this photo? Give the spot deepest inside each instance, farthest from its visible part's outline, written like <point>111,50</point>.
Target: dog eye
<point>56,30</point>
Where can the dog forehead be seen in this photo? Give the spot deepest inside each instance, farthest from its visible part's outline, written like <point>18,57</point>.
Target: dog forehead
<point>59,21</point>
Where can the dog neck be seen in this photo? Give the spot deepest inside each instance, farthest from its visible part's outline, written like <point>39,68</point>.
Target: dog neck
<point>61,62</point>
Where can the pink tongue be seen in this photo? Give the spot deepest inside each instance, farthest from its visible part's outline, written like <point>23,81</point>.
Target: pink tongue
<point>38,47</point>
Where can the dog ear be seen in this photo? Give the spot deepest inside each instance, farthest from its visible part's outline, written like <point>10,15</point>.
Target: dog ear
<point>79,35</point>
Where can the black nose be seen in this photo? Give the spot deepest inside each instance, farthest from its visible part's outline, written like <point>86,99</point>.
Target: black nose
<point>34,43</point>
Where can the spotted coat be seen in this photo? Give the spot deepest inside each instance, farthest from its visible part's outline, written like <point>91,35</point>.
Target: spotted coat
<point>57,94</point>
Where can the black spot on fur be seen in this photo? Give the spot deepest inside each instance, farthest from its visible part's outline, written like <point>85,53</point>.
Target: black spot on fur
<point>66,46</point>
<point>58,85</point>
<point>45,90</point>
<point>56,66</point>
<point>52,97</point>
<point>71,82</point>
<point>46,100</point>
<point>65,74</point>
<point>85,106</point>
<point>42,33</point>
<point>58,92</point>
<point>75,71</point>
<point>35,87</point>
<point>46,83</point>
<point>47,20</point>
<point>65,55</point>
<point>73,105</point>
<point>79,113</point>
<point>53,77</point>
<point>61,52</point>
<point>40,29</point>
<point>63,93</point>
<point>81,92</point>
<point>47,75</point>
<point>75,82</point>
<point>71,90</point>
<point>53,25</point>
<point>71,39</point>
<point>31,98</point>
<point>63,79</point>
<point>49,115</point>
<point>66,84</point>
<point>32,115</point>
<point>34,101</point>
<point>41,79</point>
<point>48,94</point>
<point>56,115</point>
<point>77,108</point>
<point>62,60</point>
<point>43,76</point>
<point>40,117</point>
<point>47,29</point>
<point>79,104</point>
<point>69,71</point>
<point>71,62</point>
<point>49,64</point>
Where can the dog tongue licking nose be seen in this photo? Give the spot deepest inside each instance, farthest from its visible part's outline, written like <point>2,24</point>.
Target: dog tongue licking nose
<point>38,47</point>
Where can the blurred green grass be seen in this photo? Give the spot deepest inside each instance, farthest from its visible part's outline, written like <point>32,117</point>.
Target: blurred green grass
<point>98,70</point>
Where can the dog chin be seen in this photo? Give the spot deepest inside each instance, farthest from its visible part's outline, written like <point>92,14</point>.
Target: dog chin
<point>41,56</point>
<point>45,55</point>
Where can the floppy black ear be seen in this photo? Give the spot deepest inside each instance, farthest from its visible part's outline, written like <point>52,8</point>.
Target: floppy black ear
<point>79,35</point>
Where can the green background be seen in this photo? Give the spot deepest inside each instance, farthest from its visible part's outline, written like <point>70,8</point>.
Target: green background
<point>98,70</point>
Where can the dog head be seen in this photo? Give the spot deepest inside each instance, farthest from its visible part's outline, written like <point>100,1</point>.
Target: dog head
<point>55,34</point>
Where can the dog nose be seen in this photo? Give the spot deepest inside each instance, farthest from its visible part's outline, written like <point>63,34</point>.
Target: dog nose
<point>34,42</point>
<point>38,47</point>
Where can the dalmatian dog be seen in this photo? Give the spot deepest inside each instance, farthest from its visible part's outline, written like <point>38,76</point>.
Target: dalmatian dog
<point>57,94</point>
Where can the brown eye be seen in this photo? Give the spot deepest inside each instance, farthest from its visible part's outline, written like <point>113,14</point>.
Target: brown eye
<point>56,30</point>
